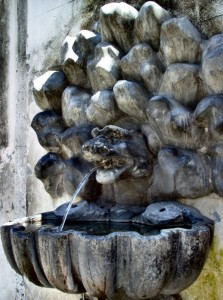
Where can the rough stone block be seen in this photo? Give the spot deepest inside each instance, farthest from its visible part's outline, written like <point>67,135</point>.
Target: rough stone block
<point>184,83</point>
<point>75,101</point>
<point>117,22</point>
<point>103,70</point>
<point>212,64</point>
<point>49,127</point>
<point>180,41</point>
<point>148,23</point>
<point>48,90</point>
<point>132,98</point>
<point>102,109</point>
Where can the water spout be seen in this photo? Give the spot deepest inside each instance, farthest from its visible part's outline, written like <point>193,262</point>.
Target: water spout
<point>82,183</point>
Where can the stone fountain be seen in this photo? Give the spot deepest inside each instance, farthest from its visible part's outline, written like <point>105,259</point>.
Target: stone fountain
<point>140,99</point>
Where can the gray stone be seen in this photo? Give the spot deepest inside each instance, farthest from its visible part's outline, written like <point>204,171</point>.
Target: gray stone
<point>209,115</point>
<point>212,66</point>
<point>142,64</point>
<point>60,176</point>
<point>152,73</point>
<point>180,41</point>
<point>74,171</point>
<point>102,109</point>
<point>148,23</point>
<point>217,168</point>
<point>103,70</point>
<point>117,22</point>
<point>112,150</point>
<point>184,83</point>
<point>61,258</point>
<point>181,173</point>
<point>132,98</point>
<point>76,52</point>
<point>171,214</point>
<point>49,128</point>
<point>75,101</point>
<point>171,123</point>
<point>73,138</point>
<point>48,89</point>
<point>84,45</point>
<point>71,65</point>
<point>159,137</point>
<point>49,169</point>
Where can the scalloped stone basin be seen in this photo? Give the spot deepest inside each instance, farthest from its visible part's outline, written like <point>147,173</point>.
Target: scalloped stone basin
<point>112,260</point>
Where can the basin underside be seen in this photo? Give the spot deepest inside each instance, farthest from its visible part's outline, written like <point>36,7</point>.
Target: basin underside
<point>107,259</point>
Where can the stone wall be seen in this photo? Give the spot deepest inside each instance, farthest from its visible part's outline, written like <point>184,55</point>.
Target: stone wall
<point>33,34</point>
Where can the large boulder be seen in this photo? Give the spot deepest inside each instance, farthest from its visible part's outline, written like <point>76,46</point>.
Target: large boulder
<point>48,89</point>
<point>102,109</point>
<point>184,83</point>
<point>131,98</point>
<point>75,101</point>
<point>73,138</point>
<point>148,23</point>
<point>49,128</point>
<point>117,22</point>
<point>212,64</point>
<point>76,52</point>
<point>103,70</point>
<point>142,64</point>
<point>180,41</point>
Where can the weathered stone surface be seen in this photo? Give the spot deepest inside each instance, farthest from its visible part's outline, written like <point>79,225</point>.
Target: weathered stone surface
<point>117,22</point>
<point>170,214</point>
<point>112,150</point>
<point>180,174</point>
<point>49,128</point>
<point>180,41</point>
<point>209,115</point>
<point>72,66</point>
<point>74,137</point>
<point>212,65</point>
<point>124,160</point>
<point>75,54</point>
<point>102,109</point>
<point>183,82</point>
<point>103,70</point>
<point>152,73</point>
<point>48,90</point>
<point>142,64</point>
<point>217,169</point>
<point>49,169</point>
<point>75,101</point>
<point>171,123</point>
<point>50,255</point>
<point>61,177</point>
<point>131,98</point>
<point>84,45</point>
<point>148,23</point>
<point>75,170</point>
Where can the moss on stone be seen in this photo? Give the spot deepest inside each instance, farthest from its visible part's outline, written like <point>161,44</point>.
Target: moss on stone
<point>209,285</point>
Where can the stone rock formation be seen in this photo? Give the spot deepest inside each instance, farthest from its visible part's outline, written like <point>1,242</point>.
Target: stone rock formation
<point>148,74</point>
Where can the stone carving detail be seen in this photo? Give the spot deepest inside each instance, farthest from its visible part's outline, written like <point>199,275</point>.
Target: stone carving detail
<point>143,102</point>
<point>150,77</point>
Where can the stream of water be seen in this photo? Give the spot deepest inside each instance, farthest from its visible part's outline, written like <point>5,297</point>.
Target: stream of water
<point>82,183</point>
